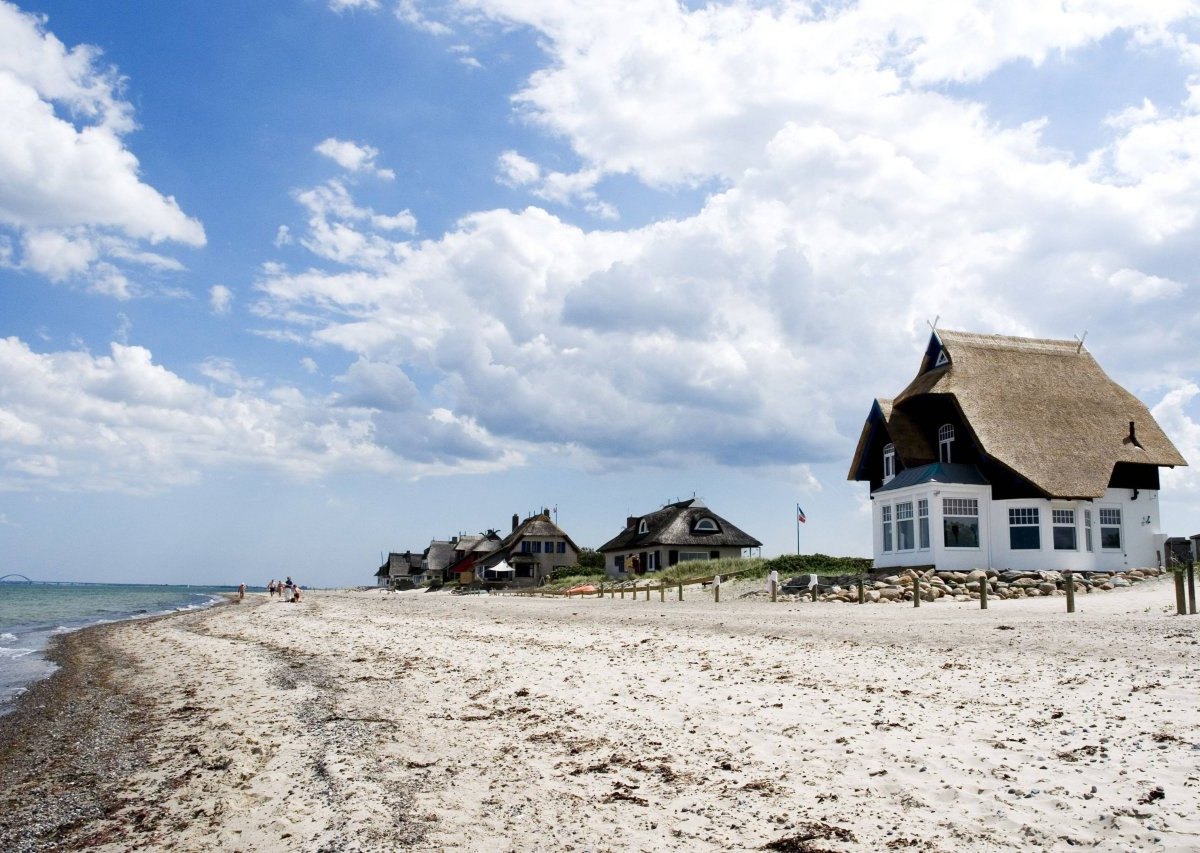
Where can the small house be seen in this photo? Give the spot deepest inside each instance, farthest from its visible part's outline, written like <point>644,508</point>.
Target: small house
<point>676,533</point>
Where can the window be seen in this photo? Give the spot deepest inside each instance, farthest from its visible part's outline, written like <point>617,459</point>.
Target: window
<point>706,525</point>
<point>642,526</point>
<point>886,512</point>
<point>945,439</point>
<point>960,522</point>
<point>685,556</point>
<point>537,547</point>
<point>619,564</point>
<point>1087,530</point>
<point>904,526</point>
<point>1110,529</point>
<point>923,525</point>
<point>1024,529</point>
<point>1064,529</point>
<point>562,547</point>
<point>524,546</point>
<point>889,462</point>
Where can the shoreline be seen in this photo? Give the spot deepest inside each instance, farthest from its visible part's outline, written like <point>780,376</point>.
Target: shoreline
<point>437,722</point>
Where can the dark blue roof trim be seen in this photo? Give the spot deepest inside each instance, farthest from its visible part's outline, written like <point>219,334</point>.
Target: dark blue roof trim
<point>936,472</point>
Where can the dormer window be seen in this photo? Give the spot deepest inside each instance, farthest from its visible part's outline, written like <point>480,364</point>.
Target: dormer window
<point>945,440</point>
<point>706,525</point>
<point>889,462</point>
<point>643,527</point>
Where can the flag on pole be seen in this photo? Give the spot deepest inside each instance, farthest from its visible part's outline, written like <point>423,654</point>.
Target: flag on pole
<point>800,516</point>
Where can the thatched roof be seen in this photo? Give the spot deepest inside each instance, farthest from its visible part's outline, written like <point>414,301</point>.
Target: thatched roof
<point>675,524</point>
<point>1042,408</point>
<point>536,526</point>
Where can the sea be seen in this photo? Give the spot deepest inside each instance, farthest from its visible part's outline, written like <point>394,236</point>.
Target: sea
<point>33,613</point>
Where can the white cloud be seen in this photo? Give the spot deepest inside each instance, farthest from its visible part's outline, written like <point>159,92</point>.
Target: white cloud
<point>121,422</point>
<point>1140,287</point>
<point>309,365</point>
<point>354,157</point>
<point>220,299</point>
<point>345,5</point>
<point>72,180</point>
<point>517,170</point>
<point>856,197</point>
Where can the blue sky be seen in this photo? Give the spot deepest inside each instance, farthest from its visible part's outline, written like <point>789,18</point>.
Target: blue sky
<point>286,285</point>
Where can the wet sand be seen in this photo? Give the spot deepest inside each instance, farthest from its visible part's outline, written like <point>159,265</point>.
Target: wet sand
<point>368,721</point>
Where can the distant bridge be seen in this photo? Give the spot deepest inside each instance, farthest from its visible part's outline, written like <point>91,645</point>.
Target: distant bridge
<point>14,578</point>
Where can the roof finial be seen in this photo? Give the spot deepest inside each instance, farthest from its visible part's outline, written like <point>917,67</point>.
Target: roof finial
<point>1081,340</point>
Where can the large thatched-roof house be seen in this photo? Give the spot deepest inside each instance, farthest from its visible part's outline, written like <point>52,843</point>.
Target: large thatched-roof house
<point>535,547</point>
<point>687,530</point>
<point>1013,453</point>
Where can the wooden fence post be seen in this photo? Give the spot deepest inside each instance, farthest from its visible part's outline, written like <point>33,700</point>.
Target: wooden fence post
<point>1070,578</point>
<point>815,589</point>
<point>647,591</point>
<point>622,592</point>
<point>662,591</point>
<point>773,590</point>
<point>917,591</point>
<point>1180,603</point>
<point>862,595</point>
<point>681,590</point>
<point>983,591</point>
<point>1191,586</point>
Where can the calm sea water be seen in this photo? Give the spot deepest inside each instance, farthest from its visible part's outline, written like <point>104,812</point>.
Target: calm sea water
<point>32,613</point>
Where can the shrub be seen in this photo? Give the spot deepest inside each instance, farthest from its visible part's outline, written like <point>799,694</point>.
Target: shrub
<point>818,564</point>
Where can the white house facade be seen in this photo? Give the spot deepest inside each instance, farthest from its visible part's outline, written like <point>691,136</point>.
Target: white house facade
<point>1013,453</point>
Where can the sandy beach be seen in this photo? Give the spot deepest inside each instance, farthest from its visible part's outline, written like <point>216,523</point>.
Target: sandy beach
<point>369,721</point>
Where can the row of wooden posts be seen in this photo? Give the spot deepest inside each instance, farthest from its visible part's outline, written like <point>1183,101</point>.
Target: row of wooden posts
<point>1185,603</point>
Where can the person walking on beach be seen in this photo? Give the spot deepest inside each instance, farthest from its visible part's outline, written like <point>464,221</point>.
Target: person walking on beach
<point>296,594</point>
<point>241,592</point>
<point>271,588</point>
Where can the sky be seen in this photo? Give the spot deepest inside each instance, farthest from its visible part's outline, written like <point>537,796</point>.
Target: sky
<point>287,285</point>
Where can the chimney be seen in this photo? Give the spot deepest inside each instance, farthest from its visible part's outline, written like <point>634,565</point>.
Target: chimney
<point>516,522</point>
<point>1132,438</point>
<point>630,521</point>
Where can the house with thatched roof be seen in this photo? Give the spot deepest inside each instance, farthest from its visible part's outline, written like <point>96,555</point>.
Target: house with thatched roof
<point>398,567</point>
<point>676,533</point>
<point>1013,453</point>
<point>526,557</point>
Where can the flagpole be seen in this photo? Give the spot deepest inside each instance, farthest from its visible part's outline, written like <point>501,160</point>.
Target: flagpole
<point>797,530</point>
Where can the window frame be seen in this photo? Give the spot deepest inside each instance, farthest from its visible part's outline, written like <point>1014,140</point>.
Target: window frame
<point>1118,526</point>
<point>1059,522</point>
<point>905,521</point>
<point>706,525</point>
<point>923,524</point>
<point>945,443</point>
<point>885,518</point>
<point>889,462</point>
<point>1024,521</point>
<point>954,508</point>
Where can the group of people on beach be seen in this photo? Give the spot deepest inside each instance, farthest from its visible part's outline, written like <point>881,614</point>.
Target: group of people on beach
<point>288,590</point>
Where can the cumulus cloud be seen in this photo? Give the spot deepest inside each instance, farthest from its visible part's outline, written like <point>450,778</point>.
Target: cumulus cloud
<point>354,157</point>
<point>121,422</point>
<point>67,180</point>
<point>220,299</point>
<point>854,198</point>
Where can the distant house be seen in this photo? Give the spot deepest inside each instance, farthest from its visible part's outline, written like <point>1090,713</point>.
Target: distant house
<point>678,532</point>
<point>469,552</point>
<point>534,548</point>
<point>1013,453</point>
<point>398,566</point>
<point>437,559</point>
